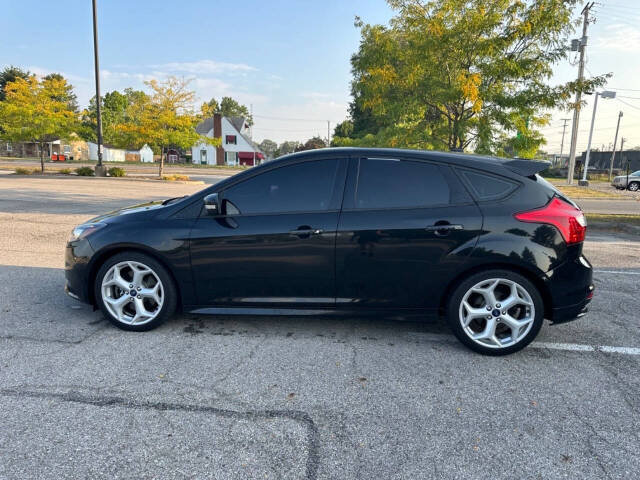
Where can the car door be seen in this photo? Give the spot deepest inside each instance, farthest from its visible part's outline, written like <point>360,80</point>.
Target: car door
<point>274,241</point>
<point>404,233</point>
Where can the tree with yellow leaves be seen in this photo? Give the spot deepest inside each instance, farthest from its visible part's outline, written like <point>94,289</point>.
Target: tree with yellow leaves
<point>459,74</point>
<point>37,111</point>
<point>165,118</point>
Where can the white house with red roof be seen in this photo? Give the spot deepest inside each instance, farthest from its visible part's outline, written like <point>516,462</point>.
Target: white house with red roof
<point>236,147</point>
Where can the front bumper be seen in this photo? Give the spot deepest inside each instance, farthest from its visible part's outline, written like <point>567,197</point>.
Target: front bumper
<point>76,269</point>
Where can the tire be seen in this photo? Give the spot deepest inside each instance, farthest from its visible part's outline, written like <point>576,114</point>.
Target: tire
<point>522,319</point>
<point>135,292</point>
<point>634,186</point>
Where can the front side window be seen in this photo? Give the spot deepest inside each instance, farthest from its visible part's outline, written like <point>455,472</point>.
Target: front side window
<point>303,187</point>
<point>385,183</point>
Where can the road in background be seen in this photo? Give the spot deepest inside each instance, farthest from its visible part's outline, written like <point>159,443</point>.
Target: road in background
<point>295,397</point>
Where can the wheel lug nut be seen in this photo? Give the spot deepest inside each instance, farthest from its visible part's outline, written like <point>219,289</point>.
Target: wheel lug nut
<point>488,308</point>
<point>504,312</point>
<point>139,288</point>
<point>131,285</point>
<point>497,305</point>
<point>489,317</point>
<point>139,296</point>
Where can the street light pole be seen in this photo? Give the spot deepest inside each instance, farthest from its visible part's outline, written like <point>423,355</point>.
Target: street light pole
<point>605,94</point>
<point>615,142</point>
<point>100,170</point>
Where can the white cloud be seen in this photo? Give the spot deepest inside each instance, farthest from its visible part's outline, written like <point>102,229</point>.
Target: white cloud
<point>204,67</point>
<point>619,37</point>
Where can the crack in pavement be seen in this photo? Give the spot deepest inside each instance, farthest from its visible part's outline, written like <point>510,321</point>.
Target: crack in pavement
<point>313,436</point>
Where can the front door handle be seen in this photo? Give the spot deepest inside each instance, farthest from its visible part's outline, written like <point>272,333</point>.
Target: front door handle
<point>306,231</point>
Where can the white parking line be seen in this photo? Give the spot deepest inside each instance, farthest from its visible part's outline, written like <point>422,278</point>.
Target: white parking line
<point>569,347</point>
<point>578,347</point>
<point>617,272</point>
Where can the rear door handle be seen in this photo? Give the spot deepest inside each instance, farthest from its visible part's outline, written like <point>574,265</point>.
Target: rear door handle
<point>436,228</point>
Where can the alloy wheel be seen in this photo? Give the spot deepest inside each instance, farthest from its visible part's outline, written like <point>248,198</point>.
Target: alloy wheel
<point>634,186</point>
<point>497,313</point>
<point>132,293</point>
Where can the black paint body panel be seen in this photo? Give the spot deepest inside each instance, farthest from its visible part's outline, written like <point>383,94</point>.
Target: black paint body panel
<point>358,260</point>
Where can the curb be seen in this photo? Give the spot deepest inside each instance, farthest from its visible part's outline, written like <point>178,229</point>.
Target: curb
<point>614,226</point>
<point>130,179</point>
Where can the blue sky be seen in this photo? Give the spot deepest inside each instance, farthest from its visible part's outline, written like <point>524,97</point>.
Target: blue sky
<point>288,58</point>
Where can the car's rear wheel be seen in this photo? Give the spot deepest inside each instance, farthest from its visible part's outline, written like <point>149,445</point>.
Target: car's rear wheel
<point>495,312</point>
<point>134,291</point>
<point>634,186</point>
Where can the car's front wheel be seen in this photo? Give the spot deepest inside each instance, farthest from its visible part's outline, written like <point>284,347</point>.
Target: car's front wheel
<point>634,186</point>
<point>134,291</point>
<point>496,312</point>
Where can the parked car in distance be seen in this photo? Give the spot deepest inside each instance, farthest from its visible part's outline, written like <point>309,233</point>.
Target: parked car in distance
<point>485,242</point>
<point>620,182</point>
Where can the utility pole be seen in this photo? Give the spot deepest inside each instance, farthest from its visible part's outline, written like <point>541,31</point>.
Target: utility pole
<point>605,94</point>
<point>615,142</point>
<point>328,133</point>
<point>100,170</point>
<point>576,111</point>
<point>564,128</point>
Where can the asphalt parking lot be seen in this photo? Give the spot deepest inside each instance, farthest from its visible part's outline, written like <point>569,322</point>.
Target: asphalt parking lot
<point>296,398</point>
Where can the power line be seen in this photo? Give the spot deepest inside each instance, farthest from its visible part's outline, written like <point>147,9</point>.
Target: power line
<point>628,104</point>
<point>294,119</point>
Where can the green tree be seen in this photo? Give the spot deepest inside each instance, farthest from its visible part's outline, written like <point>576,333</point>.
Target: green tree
<point>287,147</point>
<point>37,111</point>
<point>10,74</point>
<point>67,95</point>
<point>227,107</point>
<point>456,74</point>
<point>269,147</point>
<point>312,144</point>
<point>116,110</point>
<point>343,130</point>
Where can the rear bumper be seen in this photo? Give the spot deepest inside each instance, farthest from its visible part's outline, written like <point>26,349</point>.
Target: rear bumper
<point>571,289</point>
<point>572,312</point>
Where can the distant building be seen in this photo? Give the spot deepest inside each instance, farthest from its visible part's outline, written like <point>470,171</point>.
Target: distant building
<point>236,147</point>
<point>73,147</point>
<point>599,161</point>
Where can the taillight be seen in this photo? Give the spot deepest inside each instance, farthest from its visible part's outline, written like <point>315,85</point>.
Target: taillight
<point>566,218</point>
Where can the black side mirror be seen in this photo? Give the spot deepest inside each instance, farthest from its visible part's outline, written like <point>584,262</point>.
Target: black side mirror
<point>211,204</point>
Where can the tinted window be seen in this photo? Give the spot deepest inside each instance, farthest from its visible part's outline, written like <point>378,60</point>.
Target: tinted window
<point>304,187</point>
<point>487,187</point>
<point>396,184</point>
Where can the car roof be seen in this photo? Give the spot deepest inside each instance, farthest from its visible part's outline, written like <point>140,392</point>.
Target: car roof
<point>521,166</point>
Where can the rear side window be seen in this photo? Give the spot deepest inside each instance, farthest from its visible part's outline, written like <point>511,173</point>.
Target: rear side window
<point>386,183</point>
<point>488,187</point>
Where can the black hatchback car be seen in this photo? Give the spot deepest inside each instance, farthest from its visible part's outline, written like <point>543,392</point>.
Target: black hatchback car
<point>485,242</point>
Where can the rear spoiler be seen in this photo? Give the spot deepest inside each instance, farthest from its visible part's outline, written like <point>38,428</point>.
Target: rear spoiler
<point>526,168</point>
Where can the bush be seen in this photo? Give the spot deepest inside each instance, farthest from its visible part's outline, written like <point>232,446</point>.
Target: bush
<point>64,171</point>
<point>85,172</point>
<point>116,172</point>
<point>24,171</point>
<point>176,178</point>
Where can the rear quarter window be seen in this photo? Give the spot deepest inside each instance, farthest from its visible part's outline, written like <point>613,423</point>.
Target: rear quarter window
<point>488,187</point>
